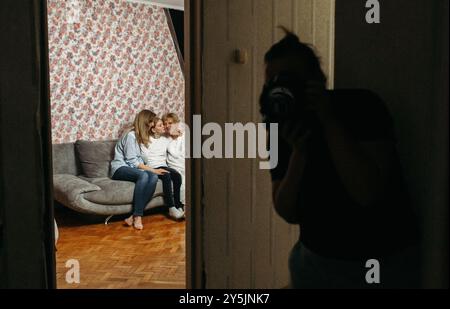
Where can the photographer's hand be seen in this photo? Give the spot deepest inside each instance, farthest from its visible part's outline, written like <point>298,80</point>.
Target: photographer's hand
<point>317,96</point>
<point>295,135</point>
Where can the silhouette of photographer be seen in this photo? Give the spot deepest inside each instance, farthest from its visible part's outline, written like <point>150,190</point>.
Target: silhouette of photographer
<point>338,177</point>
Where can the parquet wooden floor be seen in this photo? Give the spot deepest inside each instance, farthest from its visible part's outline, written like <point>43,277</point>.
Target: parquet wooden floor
<point>119,257</point>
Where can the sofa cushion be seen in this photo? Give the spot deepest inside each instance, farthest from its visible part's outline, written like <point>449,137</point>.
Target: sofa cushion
<point>64,160</point>
<point>95,157</point>
<point>115,192</point>
<point>68,188</point>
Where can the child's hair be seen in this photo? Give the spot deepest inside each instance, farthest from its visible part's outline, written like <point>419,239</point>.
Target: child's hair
<point>291,46</point>
<point>172,116</point>
<point>142,126</point>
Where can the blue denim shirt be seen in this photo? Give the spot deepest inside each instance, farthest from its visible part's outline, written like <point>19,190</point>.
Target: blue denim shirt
<point>127,153</point>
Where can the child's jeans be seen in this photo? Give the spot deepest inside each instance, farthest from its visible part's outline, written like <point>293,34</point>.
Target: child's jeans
<point>171,187</point>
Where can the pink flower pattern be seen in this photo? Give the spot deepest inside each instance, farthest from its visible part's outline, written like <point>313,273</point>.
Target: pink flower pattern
<point>116,59</point>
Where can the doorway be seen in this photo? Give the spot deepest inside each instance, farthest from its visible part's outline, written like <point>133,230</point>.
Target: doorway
<point>82,36</point>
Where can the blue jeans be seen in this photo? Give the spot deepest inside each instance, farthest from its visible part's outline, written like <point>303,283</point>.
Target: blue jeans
<point>171,187</point>
<point>144,189</point>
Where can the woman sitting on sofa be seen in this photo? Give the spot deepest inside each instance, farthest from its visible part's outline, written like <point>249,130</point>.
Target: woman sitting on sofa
<point>128,165</point>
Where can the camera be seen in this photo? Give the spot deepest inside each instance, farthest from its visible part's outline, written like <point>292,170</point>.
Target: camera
<point>283,98</point>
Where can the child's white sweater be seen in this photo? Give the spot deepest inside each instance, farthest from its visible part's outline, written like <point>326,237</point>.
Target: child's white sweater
<point>176,155</point>
<point>155,155</point>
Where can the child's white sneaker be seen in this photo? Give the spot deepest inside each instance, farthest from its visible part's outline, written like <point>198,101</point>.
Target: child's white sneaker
<point>182,211</point>
<point>176,213</point>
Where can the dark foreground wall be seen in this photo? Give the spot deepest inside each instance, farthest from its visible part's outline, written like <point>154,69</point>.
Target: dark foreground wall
<point>26,228</point>
<point>405,59</point>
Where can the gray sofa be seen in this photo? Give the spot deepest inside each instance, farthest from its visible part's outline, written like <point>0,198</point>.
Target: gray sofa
<point>81,182</point>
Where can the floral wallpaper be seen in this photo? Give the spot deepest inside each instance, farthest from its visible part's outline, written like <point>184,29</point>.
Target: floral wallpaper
<point>109,59</point>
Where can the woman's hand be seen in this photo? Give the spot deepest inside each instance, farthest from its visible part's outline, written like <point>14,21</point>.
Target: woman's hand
<point>176,134</point>
<point>160,171</point>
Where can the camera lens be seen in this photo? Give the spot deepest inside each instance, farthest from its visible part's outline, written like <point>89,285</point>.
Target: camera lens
<point>282,102</point>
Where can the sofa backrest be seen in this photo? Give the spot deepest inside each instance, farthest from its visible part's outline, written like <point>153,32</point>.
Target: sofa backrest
<point>85,158</point>
<point>64,160</point>
<point>95,157</point>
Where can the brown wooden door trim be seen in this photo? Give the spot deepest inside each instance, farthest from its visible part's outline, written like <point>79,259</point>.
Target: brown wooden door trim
<point>46,138</point>
<point>193,63</point>
<point>27,240</point>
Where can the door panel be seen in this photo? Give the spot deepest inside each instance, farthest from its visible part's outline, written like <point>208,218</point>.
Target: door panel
<point>246,245</point>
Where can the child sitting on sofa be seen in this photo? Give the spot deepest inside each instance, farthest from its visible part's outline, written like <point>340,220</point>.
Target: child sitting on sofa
<point>155,156</point>
<point>176,148</point>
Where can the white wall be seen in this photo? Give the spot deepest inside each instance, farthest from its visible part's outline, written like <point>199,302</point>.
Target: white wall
<point>246,243</point>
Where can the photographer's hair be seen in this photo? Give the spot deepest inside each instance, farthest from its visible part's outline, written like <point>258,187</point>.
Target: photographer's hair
<point>291,47</point>
<point>142,126</point>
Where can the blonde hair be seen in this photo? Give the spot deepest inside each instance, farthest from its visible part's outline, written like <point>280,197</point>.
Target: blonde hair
<point>143,125</point>
<point>172,116</point>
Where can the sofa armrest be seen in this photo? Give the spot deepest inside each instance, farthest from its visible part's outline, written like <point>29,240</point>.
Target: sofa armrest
<point>68,188</point>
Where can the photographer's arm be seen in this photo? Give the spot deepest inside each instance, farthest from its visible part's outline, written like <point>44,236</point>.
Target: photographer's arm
<point>285,191</point>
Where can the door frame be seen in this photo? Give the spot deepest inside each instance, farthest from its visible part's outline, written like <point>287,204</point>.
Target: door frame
<point>27,248</point>
<point>195,276</point>
<point>41,18</point>
<point>193,80</point>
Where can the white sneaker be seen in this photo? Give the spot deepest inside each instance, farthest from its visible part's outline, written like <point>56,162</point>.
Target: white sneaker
<point>176,213</point>
<point>182,211</point>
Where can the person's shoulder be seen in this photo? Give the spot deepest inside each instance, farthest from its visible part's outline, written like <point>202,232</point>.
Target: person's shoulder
<point>354,98</point>
<point>166,139</point>
<point>363,112</point>
<point>130,135</point>
<point>358,102</point>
